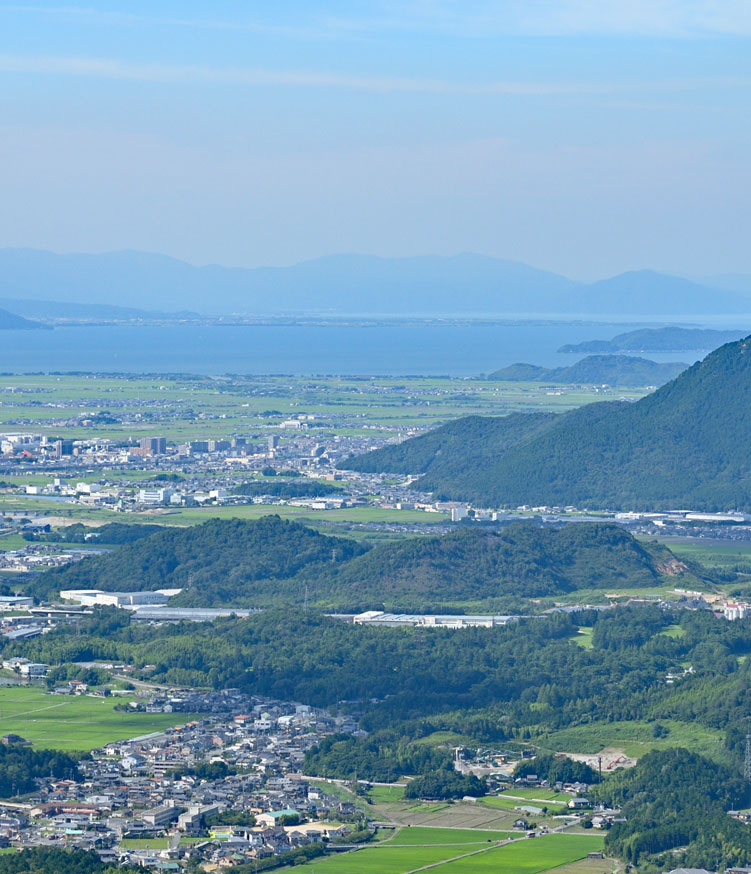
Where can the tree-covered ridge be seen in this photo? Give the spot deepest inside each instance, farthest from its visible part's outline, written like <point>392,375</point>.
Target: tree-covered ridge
<point>685,445</point>
<point>675,804</point>
<point>523,560</point>
<point>596,370</point>
<point>269,562</point>
<point>216,562</point>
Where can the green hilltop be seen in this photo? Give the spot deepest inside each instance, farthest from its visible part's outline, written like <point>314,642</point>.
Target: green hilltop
<point>685,445</point>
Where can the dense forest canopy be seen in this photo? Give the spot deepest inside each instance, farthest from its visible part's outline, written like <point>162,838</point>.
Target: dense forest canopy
<point>682,446</point>
<point>675,803</point>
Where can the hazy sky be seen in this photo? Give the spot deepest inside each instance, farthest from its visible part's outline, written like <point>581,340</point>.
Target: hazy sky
<point>584,136</point>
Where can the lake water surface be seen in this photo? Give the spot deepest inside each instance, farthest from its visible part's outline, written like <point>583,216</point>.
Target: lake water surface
<point>400,350</point>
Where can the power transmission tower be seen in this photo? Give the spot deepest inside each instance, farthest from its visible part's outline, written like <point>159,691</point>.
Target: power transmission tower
<point>747,759</point>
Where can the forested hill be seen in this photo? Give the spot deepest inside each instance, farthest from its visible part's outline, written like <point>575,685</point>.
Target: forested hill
<point>219,562</point>
<point>685,445</point>
<point>596,370</point>
<point>523,560</point>
<point>477,440</point>
<point>675,807</point>
<point>269,562</point>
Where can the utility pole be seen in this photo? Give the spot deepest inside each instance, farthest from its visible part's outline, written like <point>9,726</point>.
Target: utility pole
<point>599,765</point>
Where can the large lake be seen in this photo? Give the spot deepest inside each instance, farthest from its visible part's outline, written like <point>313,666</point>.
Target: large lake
<point>404,349</point>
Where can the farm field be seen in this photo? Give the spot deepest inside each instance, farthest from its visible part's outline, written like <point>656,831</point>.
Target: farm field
<point>727,555</point>
<point>69,404</point>
<point>74,723</point>
<point>529,857</point>
<point>522,856</point>
<point>459,815</point>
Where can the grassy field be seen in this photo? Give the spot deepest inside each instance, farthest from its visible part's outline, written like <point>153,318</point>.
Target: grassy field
<point>584,637</point>
<point>523,856</point>
<point>444,738</point>
<point>145,843</point>
<point>635,738</point>
<point>74,723</point>
<point>673,631</point>
<point>380,794</point>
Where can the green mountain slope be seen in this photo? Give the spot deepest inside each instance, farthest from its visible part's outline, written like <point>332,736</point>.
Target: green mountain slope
<point>269,562</point>
<point>475,439</point>
<point>685,445</point>
<point>675,805</point>
<point>522,560</point>
<point>596,370</point>
<point>219,562</point>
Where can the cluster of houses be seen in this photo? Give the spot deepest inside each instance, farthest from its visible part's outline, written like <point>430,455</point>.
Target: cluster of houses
<point>163,799</point>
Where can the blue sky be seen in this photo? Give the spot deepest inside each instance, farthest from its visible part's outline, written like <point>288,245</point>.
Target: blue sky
<point>584,136</point>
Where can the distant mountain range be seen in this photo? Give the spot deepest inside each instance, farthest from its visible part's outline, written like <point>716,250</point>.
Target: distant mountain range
<point>352,284</point>
<point>685,445</point>
<point>13,322</point>
<point>596,370</point>
<point>658,340</point>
